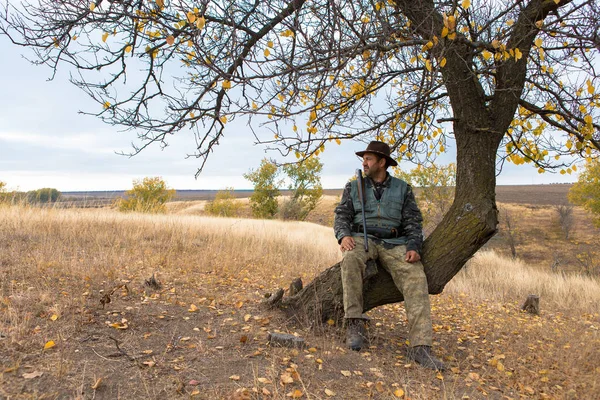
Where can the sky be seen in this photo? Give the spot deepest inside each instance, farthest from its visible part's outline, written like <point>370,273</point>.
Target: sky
<point>46,142</point>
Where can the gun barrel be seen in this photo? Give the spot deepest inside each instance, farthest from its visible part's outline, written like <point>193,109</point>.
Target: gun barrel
<point>362,199</point>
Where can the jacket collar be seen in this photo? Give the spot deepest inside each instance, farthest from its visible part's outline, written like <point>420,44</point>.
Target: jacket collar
<point>386,182</point>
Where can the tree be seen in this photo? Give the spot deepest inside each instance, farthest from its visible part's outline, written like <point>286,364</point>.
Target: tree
<point>305,185</point>
<point>148,196</point>
<point>224,204</point>
<point>264,198</point>
<point>44,195</point>
<point>436,190</point>
<point>506,81</point>
<point>586,191</point>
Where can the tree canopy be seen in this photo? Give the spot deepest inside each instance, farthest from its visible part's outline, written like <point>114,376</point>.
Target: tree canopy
<point>407,72</point>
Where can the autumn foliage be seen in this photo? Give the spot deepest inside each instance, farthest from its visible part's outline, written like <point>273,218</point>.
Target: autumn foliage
<point>148,195</point>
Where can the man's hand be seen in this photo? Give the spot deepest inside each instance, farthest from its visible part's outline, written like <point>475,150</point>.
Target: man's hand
<point>412,256</point>
<point>347,243</point>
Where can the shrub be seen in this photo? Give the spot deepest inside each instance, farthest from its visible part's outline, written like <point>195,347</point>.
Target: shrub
<point>305,185</point>
<point>264,198</point>
<point>224,204</point>
<point>586,191</point>
<point>148,196</point>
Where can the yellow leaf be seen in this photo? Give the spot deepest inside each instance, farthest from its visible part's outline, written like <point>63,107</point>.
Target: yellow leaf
<point>588,119</point>
<point>538,42</point>
<point>106,104</point>
<point>226,84</point>
<point>346,373</point>
<point>428,65</point>
<point>330,321</point>
<point>49,344</point>
<point>399,392</point>
<point>191,17</point>
<point>270,44</point>
<point>193,308</point>
<point>518,54</point>
<point>486,54</point>
<point>160,3</point>
<point>329,393</point>
<point>267,52</point>
<point>200,22</point>
<point>296,394</point>
<point>54,317</point>
<point>452,36</point>
<point>92,6</point>
<point>466,4</point>
<point>128,48</point>
<point>443,62</point>
<point>223,119</point>
<point>105,36</point>
<point>444,32</point>
<point>170,39</point>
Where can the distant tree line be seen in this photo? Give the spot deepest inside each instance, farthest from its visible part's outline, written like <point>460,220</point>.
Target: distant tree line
<point>38,196</point>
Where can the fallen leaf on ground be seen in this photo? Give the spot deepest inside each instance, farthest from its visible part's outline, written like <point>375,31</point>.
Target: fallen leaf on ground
<point>193,382</point>
<point>329,393</point>
<point>31,375</point>
<point>96,384</point>
<point>286,378</point>
<point>49,344</point>
<point>234,377</point>
<point>346,373</point>
<point>398,392</point>
<point>193,308</point>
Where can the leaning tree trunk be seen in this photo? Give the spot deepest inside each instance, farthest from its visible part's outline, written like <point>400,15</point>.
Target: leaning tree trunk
<point>468,225</point>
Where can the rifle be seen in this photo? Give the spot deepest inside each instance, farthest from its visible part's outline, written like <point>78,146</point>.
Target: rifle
<point>361,198</point>
<point>371,267</point>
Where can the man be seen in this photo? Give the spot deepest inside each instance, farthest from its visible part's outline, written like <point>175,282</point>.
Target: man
<point>394,228</point>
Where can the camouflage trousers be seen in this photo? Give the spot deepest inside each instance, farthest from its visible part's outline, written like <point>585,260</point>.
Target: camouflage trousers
<point>409,278</point>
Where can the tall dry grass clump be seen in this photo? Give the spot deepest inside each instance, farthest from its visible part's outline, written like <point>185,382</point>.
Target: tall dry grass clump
<point>490,276</point>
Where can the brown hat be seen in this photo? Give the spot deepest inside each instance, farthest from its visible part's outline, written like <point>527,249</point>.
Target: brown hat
<point>379,148</point>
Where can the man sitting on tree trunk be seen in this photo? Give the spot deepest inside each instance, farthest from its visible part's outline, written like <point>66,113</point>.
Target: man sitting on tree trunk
<point>394,228</point>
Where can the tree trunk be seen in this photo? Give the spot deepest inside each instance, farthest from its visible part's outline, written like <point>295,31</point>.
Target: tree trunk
<point>468,225</point>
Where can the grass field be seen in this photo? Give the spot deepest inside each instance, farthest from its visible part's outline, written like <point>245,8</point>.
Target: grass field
<point>203,333</point>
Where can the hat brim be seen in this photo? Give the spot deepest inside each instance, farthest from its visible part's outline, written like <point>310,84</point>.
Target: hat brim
<point>392,162</point>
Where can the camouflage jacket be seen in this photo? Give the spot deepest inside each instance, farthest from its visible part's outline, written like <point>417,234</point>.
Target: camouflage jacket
<point>412,220</point>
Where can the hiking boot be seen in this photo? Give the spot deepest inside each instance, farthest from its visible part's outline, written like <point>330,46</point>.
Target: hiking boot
<point>355,333</point>
<point>424,356</point>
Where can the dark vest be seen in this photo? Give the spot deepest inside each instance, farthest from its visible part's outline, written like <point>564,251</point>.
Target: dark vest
<point>383,213</point>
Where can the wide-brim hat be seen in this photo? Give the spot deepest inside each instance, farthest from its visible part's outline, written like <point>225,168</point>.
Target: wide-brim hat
<point>379,148</point>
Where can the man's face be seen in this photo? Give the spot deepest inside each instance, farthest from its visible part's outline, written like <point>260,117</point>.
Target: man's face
<point>373,165</point>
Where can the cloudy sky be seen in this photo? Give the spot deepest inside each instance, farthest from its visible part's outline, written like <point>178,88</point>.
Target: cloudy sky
<point>45,142</point>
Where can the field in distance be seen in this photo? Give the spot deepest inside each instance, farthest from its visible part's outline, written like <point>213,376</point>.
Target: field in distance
<point>521,194</point>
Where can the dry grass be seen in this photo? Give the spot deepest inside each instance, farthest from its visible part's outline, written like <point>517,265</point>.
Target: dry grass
<point>489,276</point>
<point>203,334</point>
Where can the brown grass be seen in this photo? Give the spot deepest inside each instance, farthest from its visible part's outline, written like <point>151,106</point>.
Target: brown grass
<point>203,333</point>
